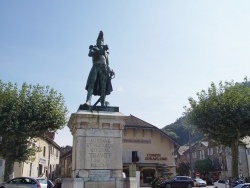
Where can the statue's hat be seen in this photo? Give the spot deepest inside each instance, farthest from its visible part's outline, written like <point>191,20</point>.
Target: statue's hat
<point>100,36</point>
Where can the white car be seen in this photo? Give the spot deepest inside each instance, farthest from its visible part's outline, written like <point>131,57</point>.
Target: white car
<point>221,184</point>
<point>199,182</point>
<point>25,182</point>
<point>44,182</point>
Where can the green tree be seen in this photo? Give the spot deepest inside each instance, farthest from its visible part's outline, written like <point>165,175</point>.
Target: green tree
<point>26,114</point>
<point>180,131</point>
<point>183,169</point>
<point>203,166</point>
<point>223,114</point>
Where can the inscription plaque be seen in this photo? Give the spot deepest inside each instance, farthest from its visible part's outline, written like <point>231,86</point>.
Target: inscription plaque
<point>100,153</point>
<point>99,175</point>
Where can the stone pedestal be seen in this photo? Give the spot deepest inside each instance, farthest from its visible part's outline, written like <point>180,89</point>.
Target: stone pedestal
<point>97,150</point>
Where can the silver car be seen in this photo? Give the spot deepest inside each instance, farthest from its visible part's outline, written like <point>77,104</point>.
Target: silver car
<point>25,182</point>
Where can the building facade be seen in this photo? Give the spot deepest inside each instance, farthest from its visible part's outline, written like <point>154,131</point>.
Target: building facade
<point>149,149</point>
<point>66,162</point>
<point>1,169</point>
<point>44,164</point>
<point>220,156</point>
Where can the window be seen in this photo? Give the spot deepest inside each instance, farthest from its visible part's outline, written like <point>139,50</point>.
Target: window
<point>202,154</point>
<point>219,149</point>
<point>194,155</point>
<point>240,160</point>
<point>135,157</point>
<point>15,181</point>
<point>44,151</point>
<point>248,151</point>
<point>56,153</point>
<point>210,151</point>
<point>220,160</point>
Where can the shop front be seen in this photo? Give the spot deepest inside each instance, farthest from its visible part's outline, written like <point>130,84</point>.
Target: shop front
<point>148,148</point>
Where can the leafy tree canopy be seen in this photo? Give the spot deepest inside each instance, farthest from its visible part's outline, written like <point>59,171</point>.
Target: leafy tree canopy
<point>224,109</point>
<point>204,166</point>
<point>183,169</point>
<point>27,113</point>
<point>223,114</point>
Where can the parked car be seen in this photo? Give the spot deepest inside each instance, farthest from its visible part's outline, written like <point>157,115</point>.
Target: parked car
<point>237,182</point>
<point>45,183</point>
<point>243,185</point>
<point>221,184</point>
<point>25,182</point>
<point>178,181</point>
<point>199,182</point>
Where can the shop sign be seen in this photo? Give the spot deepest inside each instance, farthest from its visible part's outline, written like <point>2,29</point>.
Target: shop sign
<point>42,161</point>
<point>155,157</point>
<point>140,141</point>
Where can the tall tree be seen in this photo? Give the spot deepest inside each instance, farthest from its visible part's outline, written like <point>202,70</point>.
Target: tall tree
<point>204,166</point>
<point>223,114</point>
<point>26,114</point>
<point>183,169</point>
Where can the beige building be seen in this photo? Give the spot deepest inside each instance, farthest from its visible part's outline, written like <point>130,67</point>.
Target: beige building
<point>149,148</point>
<point>45,163</point>
<point>246,140</point>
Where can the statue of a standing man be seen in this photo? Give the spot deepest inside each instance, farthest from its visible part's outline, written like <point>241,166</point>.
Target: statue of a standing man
<point>99,80</point>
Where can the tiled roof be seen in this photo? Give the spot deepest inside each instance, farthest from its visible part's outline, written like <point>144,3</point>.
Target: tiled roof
<point>182,149</point>
<point>134,121</point>
<point>205,143</point>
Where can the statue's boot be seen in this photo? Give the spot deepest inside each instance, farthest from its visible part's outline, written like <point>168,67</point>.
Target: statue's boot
<point>103,100</point>
<point>88,100</point>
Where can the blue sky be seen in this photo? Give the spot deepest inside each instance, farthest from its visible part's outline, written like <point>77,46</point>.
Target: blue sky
<point>161,51</point>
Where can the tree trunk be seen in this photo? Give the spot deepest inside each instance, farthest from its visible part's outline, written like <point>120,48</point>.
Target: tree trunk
<point>9,168</point>
<point>235,158</point>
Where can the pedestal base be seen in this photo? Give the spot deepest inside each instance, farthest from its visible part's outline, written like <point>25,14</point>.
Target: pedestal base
<point>97,149</point>
<point>84,183</point>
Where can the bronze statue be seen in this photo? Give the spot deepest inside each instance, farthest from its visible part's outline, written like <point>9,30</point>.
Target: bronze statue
<point>99,79</point>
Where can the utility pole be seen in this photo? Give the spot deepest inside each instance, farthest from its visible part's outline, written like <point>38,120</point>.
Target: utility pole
<point>190,152</point>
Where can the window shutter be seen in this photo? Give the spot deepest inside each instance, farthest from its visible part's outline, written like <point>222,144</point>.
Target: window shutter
<point>140,155</point>
<point>129,156</point>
